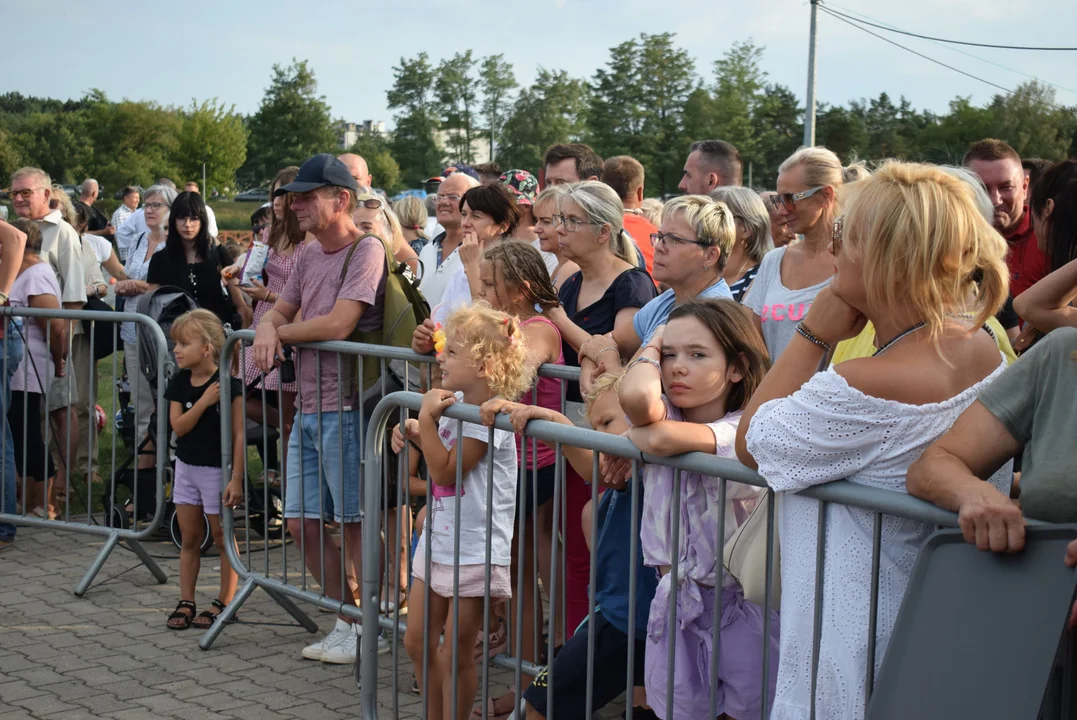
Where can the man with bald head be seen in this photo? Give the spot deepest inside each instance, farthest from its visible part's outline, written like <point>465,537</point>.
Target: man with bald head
<point>98,224</point>
<point>440,259</point>
<point>358,169</point>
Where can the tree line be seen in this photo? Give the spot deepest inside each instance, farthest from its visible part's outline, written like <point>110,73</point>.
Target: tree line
<point>649,100</point>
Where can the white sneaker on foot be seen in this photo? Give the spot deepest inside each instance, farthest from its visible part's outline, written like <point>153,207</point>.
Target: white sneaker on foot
<point>344,651</point>
<point>339,633</point>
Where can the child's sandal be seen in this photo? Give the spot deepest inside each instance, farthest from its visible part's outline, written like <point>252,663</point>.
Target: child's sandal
<point>205,619</point>
<point>184,618</point>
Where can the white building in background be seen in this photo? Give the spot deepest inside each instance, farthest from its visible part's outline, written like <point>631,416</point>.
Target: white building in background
<point>348,132</point>
<point>480,144</point>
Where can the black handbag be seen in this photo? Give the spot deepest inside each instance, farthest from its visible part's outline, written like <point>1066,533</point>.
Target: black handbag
<point>106,335</point>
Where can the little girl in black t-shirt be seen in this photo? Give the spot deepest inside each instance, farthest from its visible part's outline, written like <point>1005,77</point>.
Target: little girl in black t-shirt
<point>194,412</point>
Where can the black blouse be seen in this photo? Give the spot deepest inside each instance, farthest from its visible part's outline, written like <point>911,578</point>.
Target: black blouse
<point>201,279</point>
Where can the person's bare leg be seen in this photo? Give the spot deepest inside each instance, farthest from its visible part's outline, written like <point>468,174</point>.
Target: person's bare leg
<point>467,677</point>
<point>305,533</point>
<point>414,642</point>
<point>352,536</point>
<point>192,529</point>
<point>396,523</point>
<point>228,575</point>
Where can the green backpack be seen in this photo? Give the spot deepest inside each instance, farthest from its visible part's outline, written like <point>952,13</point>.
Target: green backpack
<point>405,309</point>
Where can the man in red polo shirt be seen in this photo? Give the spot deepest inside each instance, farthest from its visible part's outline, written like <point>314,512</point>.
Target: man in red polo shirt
<point>999,166</point>
<point>625,175</point>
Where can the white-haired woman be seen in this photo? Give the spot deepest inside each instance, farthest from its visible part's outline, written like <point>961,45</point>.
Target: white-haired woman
<point>156,208</point>
<point>753,237</point>
<point>790,277</point>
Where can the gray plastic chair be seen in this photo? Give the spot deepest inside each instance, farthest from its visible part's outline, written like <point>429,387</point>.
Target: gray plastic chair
<point>978,633</point>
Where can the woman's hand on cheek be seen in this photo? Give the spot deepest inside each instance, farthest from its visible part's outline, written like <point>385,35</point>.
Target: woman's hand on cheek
<point>832,319</point>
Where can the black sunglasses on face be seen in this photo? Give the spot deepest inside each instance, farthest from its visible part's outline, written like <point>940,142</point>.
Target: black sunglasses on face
<point>789,200</point>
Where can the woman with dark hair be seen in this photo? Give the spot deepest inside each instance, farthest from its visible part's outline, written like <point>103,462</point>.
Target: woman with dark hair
<point>490,215</point>
<point>1047,304</point>
<point>192,262</point>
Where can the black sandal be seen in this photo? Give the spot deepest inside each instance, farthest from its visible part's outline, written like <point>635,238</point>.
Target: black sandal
<point>205,619</point>
<point>179,614</point>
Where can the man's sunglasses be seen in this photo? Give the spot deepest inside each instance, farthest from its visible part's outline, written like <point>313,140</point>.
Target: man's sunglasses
<point>789,200</point>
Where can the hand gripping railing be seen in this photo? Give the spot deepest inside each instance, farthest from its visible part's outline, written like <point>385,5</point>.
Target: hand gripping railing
<point>113,529</point>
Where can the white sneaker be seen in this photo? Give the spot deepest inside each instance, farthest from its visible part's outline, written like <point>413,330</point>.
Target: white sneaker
<point>344,651</point>
<point>318,650</point>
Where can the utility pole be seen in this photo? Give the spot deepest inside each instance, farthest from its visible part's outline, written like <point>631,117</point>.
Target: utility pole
<point>809,105</point>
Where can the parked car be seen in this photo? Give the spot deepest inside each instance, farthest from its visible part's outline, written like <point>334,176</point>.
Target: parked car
<point>253,195</point>
<point>419,193</point>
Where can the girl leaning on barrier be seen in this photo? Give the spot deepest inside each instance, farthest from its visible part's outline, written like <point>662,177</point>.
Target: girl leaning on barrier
<point>907,251</point>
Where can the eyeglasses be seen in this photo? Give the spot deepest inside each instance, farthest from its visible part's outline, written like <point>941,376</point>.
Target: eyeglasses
<point>371,204</point>
<point>24,194</point>
<point>191,220</point>
<point>671,241</point>
<point>837,235</point>
<point>448,198</point>
<point>154,206</point>
<point>571,224</point>
<point>789,200</point>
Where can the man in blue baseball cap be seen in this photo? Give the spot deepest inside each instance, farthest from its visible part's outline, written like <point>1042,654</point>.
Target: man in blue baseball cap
<point>324,448</point>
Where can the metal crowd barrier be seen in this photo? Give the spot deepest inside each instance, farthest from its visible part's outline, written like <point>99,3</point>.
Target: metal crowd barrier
<point>115,527</point>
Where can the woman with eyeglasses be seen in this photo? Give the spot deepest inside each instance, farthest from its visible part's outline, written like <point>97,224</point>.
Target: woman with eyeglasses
<point>373,215</point>
<point>691,249</point>
<point>192,262</point>
<point>546,205</point>
<point>156,209</point>
<point>608,291</point>
<point>790,277</point>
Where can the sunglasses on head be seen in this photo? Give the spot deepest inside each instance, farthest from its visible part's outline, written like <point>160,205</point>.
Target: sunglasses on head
<point>371,203</point>
<point>789,200</point>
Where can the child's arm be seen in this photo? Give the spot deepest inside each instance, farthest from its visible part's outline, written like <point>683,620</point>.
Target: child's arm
<point>442,462</point>
<point>581,460</point>
<point>641,388</point>
<point>416,485</point>
<point>671,437</point>
<point>184,422</point>
<point>233,491</point>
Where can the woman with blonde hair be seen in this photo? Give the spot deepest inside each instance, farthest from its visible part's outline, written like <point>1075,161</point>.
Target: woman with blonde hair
<point>753,241</point>
<point>545,206</point>
<point>60,200</point>
<point>916,257</point>
<point>413,216</point>
<point>790,277</point>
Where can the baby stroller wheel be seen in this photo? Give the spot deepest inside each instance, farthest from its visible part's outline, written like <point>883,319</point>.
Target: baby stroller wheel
<point>116,515</point>
<point>177,536</point>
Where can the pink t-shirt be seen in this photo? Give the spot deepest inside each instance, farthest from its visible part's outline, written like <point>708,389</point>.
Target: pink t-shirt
<point>314,287</point>
<point>35,372</point>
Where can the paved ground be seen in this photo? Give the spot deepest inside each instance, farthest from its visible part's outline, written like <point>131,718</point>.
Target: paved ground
<point>109,654</point>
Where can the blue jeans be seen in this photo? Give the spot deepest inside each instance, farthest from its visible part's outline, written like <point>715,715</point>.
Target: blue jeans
<point>322,463</point>
<point>14,346</point>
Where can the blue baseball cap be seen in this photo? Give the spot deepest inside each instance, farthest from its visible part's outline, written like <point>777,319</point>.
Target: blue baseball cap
<point>322,170</point>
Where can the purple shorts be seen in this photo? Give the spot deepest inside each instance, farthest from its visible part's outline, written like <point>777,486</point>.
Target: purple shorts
<point>740,661</point>
<point>197,485</point>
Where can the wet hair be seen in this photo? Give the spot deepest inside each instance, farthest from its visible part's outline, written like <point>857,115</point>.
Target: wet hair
<point>989,150</point>
<point>284,233</point>
<point>201,325</point>
<point>497,202</point>
<point>721,157</point>
<point>523,267</point>
<point>32,232</point>
<point>923,243</point>
<point>588,163</point>
<point>189,204</point>
<point>737,336</point>
<point>1058,183</point>
<point>493,340</point>
<point>607,382</point>
<point>624,174</point>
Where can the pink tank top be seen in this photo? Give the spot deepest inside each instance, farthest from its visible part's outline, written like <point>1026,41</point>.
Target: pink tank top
<point>546,392</point>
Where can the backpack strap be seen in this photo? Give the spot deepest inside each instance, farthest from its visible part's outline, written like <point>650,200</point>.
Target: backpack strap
<point>351,251</point>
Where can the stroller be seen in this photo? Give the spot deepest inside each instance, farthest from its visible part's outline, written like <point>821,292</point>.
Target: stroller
<point>164,306</point>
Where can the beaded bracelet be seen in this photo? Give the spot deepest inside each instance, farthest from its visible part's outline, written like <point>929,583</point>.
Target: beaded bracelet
<point>805,332</point>
<point>606,349</point>
<point>648,361</point>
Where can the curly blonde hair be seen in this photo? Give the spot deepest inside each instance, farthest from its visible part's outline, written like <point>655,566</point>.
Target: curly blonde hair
<point>603,384</point>
<point>493,340</point>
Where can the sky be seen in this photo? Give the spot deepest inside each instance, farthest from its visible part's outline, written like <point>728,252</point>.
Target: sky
<point>173,53</point>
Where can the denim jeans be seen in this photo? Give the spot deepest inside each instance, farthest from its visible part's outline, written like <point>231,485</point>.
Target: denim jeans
<point>13,343</point>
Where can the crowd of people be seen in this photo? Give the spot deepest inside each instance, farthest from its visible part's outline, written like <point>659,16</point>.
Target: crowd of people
<point>850,324</point>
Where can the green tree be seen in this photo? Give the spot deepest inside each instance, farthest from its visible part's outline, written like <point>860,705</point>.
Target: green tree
<point>551,111</point>
<point>457,94</point>
<point>779,130</point>
<point>216,136</point>
<point>615,108</point>
<point>292,124</point>
<point>946,138</point>
<point>739,83</point>
<point>1028,122</point>
<point>131,142</point>
<point>375,149</point>
<point>497,81</point>
<point>414,145</point>
<point>843,131</point>
<point>11,157</point>
<point>666,80</point>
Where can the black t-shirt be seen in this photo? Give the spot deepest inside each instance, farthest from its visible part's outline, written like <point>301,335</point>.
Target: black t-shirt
<point>206,288</point>
<point>201,446</point>
<point>633,288</point>
<point>97,219</point>
<point>1007,316</point>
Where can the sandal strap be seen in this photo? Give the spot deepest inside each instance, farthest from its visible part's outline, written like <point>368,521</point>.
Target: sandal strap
<point>218,604</point>
<point>186,604</point>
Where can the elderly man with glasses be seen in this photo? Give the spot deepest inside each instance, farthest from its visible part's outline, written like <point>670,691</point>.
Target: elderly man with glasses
<point>440,257</point>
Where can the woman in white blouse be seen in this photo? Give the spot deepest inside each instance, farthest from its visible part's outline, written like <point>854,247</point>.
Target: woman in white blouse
<point>906,252</point>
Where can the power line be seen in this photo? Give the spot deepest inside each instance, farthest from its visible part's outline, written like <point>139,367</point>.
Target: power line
<point>864,18</point>
<point>854,23</point>
<point>961,42</point>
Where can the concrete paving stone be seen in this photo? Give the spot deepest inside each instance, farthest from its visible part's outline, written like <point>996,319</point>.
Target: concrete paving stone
<point>97,676</point>
<point>194,712</point>
<point>17,690</point>
<point>71,690</point>
<point>314,711</point>
<point>72,660</point>
<point>43,704</point>
<point>181,689</point>
<point>335,699</point>
<point>159,704</point>
<point>120,663</point>
<point>152,676</point>
<point>73,714</point>
<point>10,712</point>
<point>208,675</point>
<point>131,690</point>
<point>12,660</point>
<point>217,701</point>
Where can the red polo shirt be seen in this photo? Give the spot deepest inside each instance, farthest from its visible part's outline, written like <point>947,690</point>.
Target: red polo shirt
<point>1026,261</point>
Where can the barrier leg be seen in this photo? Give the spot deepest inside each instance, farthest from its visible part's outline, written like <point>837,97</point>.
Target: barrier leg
<point>227,614</point>
<point>292,609</point>
<point>95,567</point>
<point>149,562</point>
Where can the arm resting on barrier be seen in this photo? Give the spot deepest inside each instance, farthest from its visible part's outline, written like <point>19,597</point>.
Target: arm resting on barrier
<point>951,474</point>
<point>441,462</point>
<point>581,460</point>
<point>640,392</point>
<point>671,437</point>
<point>337,325</point>
<point>1047,303</point>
